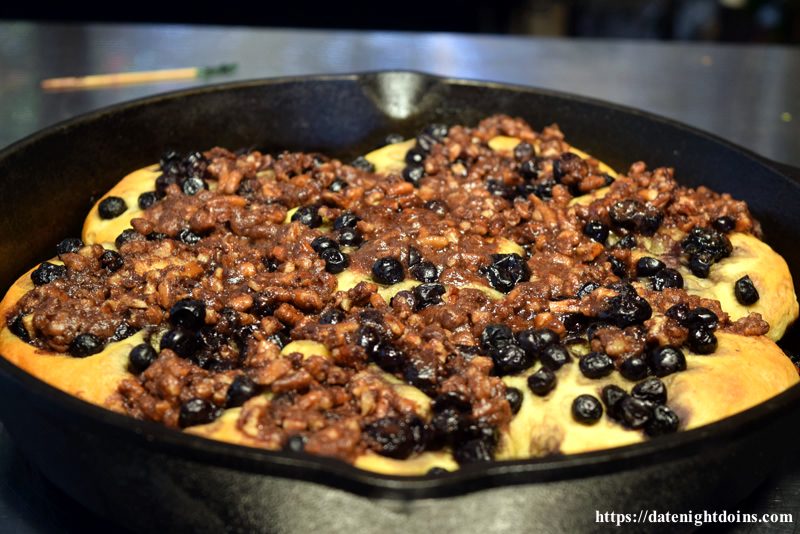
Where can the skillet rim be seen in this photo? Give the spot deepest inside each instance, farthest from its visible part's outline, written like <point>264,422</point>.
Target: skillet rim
<point>158,438</point>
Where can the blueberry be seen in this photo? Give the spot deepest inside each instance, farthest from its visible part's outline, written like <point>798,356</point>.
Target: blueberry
<point>436,471</point>
<point>322,242</point>
<point>509,359</point>
<point>413,174</point>
<point>428,295</point>
<point>652,390</point>
<point>533,341</point>
<point>561,165</point>
<point>336,261</point>
<point>544,190</point>
<point>387,357</point>
<point>612,398</point>
<point>506,271</point>
<point>296,443</point>
<point>678,312</point>
<point>195,164</point>
<point>635,413</point>
<point>241,389</point>
<point>331,316</point>
<point>618,267</point>
<point>17,327</point>
<point>586,288</point>
<point>425,271</point>
<point>363,164</point>
<point>85,345</point>
<point>663,421</point>
<point>111,261</point>
<point>188,237</point>
<point>700,264</point>
<point>415,156</point>
<point>596,231</point>
<point>271,264</point>
<point>586,409</point>
<point>388,271</point>
<point>575,323</point>
<point>147,199</point>
<point>709,241</point>
<point>414,256</point>
<point>633,368</point>
<point>182,342</point>
<point>596,365</point>
<point>47,272</point>
<point>664,361</point>
<point>542,381</point>
<point>350,237</point>
<point>425,142</point>
<point>141,357</point>
<point>111,207</point>
<point>746,292</point>
<point>524,151</point>
<point>422,377</point>
<point>702,317</point>
<point>122,331</point>
<point>554,357</point>
<point>193,185</point>
<point>70,244</point>
<point>436,130</point>
<point>666,278</point>
<point>724,224</point>
<point>337,185</point>
<point>197,412</point>
<point>529,169</point>
<point>473,451</point>
<point>390,436</point>
<point>169,160</point>
<point>647,266</point>
<point>156,236</point>
<point>129,234</point>
<point>346,220</point>
<point>308,215</point>
<point>495,336</point>
<point>514,398</point>
<point>635,216</point>
<point>626,309</point>
<point>702,340</point>
<point>628,241</point>
<point>451,401</point>
<point>368,336</point>
<point>188,313</point>
<point>500,189</point>
<point>436,206</point>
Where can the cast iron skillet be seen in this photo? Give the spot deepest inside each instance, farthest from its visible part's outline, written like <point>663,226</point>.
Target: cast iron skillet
<point>143,475</point>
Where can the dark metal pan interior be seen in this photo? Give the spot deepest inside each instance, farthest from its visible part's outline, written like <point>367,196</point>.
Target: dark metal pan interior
<point>49,179</point>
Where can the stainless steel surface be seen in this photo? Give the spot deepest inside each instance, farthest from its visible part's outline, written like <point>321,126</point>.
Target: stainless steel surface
<point>747,94</point>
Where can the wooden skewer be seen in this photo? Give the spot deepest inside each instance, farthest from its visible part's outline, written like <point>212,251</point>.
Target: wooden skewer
<point>95,81</point>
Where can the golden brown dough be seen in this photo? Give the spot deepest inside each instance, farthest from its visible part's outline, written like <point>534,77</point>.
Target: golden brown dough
<point>743,372</point>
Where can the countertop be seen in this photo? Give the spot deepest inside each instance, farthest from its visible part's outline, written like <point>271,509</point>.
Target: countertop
<point>747,94</point>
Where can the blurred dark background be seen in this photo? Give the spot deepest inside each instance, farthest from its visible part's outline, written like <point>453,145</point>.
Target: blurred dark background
<point>772,21</point>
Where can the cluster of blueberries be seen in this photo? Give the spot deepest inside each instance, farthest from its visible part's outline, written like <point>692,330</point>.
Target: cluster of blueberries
<point>451,425</point>
<point>186,338</point>
<point>414,170</point>
<point>347,235</point>
<point>188,171</point>
<point>529,167</point>
<point>515,353</point>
